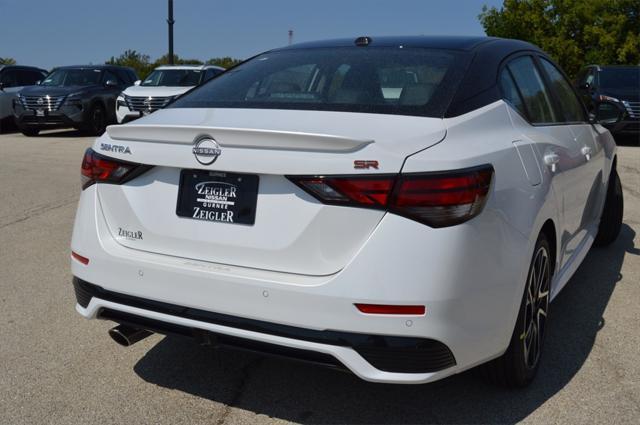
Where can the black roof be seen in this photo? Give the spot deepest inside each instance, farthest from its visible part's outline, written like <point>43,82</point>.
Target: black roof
<point>101,66</point>
<point>465,43</point>
<point>35,68</point>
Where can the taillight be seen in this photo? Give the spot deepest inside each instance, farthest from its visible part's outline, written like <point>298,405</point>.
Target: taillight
<point>101,169</point>
<point>437,199</point>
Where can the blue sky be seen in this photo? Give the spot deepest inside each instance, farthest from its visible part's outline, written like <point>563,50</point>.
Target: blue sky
<point>48,33</point>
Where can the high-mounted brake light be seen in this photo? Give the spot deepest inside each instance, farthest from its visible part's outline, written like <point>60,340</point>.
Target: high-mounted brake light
<point>437,199</point>
<point>101,169</point>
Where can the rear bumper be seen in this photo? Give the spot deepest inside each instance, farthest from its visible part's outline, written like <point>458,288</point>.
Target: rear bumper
<point>385,353</point>
<point>471,293</point>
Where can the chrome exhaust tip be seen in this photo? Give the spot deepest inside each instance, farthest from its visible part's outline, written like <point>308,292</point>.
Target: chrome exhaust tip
<point>127,335</point>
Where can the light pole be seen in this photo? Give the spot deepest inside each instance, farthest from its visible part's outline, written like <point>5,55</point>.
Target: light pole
<point>170,21</point>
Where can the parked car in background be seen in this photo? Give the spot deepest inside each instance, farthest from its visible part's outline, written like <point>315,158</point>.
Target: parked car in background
<point>82,97</point>
<point>403,207</point>
<point>12,79</point>
<point>163,85</point>
<point>612,93</point>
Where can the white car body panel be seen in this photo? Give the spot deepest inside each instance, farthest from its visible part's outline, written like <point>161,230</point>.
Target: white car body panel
<point>302,243</point>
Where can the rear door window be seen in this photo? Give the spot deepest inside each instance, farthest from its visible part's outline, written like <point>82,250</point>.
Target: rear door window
<point>571,107</point>
<point>535,95</point>
<point>510,92</point>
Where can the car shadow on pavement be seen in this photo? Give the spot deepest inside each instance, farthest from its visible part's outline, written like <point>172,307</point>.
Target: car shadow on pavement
<point>309,394</point>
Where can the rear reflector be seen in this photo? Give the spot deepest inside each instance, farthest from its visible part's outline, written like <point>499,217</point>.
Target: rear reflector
<point>415,310</point>
<point>80,258</point>
<point>436,199</point>
<point>101,169</point>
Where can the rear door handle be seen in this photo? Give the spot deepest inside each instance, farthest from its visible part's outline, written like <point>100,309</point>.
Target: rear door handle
<point>552,159</point>
<point>586,151</point>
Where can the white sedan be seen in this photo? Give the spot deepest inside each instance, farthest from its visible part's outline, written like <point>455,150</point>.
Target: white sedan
<point>405,208</point>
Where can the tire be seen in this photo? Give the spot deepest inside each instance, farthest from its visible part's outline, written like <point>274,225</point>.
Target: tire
<point>611,218</point>
<point>30,132</point>
<point>518,366</point>
<point>96,121</point>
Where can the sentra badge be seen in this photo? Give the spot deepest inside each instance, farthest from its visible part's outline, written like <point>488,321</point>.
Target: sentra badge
<point>115,148</point>
<point>206,150</point>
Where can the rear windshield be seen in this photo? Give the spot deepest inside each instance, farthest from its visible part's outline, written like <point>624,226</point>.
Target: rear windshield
<point>619,78</point>
<point>406,81</point>
<point>173,77</point>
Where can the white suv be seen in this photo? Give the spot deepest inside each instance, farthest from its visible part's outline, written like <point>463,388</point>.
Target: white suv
<point>163,85</point>
<point>405,208</point>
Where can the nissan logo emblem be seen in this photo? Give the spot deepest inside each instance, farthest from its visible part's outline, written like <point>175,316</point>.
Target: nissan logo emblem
<point>206,150</point>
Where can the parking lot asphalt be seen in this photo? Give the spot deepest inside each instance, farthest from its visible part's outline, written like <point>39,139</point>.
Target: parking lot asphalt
<point>57,368</point>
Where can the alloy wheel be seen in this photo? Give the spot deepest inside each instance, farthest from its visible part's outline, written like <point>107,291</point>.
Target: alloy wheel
<point>536,307</point>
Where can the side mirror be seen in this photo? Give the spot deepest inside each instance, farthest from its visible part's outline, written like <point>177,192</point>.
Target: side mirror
<point>608,113</point>
<point>592,118</point>
<point>137,83</point>
<point>584,86</point>
<point>38,83</point>
<point>1,86</point>
<point>111,83</point>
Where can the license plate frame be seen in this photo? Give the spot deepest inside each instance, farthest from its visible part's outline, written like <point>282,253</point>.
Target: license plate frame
<point>218,197</point>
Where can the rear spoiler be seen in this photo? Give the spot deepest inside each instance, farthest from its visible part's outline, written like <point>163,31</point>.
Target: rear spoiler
<point>247,138</point>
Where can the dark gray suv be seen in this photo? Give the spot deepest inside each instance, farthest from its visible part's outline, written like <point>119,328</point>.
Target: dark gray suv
<point>82,97</point>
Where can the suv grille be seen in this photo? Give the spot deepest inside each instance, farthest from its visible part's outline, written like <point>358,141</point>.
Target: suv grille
<point>146,103</point>
<point>633,108</point>
<point>49,103</point>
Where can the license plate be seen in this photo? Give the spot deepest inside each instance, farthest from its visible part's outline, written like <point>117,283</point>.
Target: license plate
<point>39,113</point>
<point>217,196</point>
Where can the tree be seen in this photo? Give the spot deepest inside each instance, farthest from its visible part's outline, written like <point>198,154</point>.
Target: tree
<point>138,61</point>
<point>225,62</point>
<point>143,66</point>
<point>164,60</point>
<point>7,61</point>
<point>574,32</point>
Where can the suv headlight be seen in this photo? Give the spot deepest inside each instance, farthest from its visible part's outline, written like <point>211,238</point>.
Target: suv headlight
<point>121,101</point>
